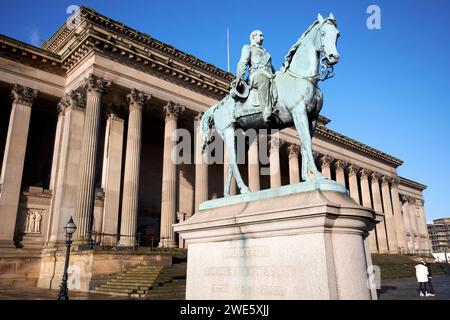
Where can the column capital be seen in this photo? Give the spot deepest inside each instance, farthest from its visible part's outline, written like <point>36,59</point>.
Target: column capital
<point>97,84</point>
<point>420,202</point>
<point>23,95</point>
<point>375,177</point>
<point>340,165</point>
<point>364,173</point>
<point>386,180</point>
<point>404,198</point>
<point>353,169</point>
<point>72,99</point>
<point>173,110</point>
<point>395,182</point>
<point>137,99</point>
<point>412,200</point>
<point>326,160</point>
<point>275,142</point>
<point>293,150</point>
<point>316,155</point>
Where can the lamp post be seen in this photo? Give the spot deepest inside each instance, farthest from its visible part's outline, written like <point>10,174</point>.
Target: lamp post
<point>70,229</point>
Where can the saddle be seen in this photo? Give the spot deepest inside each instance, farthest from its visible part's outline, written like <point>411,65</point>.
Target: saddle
<point>247,100</point>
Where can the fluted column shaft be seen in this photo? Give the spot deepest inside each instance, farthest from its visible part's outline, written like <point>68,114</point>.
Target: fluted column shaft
<point>274,158</point>
<point>86,190</point>
<point>407,221</point>
<point>169,177</point>
<point>201,167</point>
<point>340,171</point>
<point>367,202</point>
<point>13,161</point>
<point>325,162</point>
<point>137,101</point>
<point>112,176</point>
<point>353,182</point>
<point>398,218</point>
<point>426,245</point>
<point>294,168</point>
<point>389,216</point>
<point>254,180</point>
<point>413,222</point>
<point>233,186</point>
<point>378,207</point>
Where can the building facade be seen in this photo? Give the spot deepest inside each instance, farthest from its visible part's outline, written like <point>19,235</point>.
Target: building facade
<point>86,131</point>
<point>439,233</point>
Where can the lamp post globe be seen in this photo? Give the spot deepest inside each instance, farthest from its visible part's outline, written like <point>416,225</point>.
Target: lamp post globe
<point>70,230</point>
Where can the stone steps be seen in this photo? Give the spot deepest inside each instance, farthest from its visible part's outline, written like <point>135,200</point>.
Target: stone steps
<point>144,282</point>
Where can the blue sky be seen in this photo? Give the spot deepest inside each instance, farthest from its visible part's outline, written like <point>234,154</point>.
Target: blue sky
<point>391,88</point>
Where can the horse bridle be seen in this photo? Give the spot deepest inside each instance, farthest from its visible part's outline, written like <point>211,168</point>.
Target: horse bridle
<point>325,71</point>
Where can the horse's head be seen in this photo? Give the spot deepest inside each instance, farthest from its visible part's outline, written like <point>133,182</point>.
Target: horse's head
<point>326,40</point>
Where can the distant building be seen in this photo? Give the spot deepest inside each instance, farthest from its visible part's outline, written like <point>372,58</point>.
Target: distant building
<point>439,233</point>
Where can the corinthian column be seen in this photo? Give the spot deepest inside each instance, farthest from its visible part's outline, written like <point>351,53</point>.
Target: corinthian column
<point>294,170</point>
<point>169,176</point>
<point>13,161</point>
<point>130,199</point>
<point>408,225</point>
<point>201,167</point>
<point>325,162</point>
<point>398,218</point>
<point>83,214</point>
<point>353,181</point>
<point>367,202</point>
<point>274,158</point>
<point>425,238</point>
<point>378,207</point>
<point>225,172</point>
<point>388,214</point>
<point>253,166</point>
<point>339,166</point>
<point>414,225</point>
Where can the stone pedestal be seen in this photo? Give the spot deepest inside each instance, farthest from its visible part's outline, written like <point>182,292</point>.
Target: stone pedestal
<point>302,241</point>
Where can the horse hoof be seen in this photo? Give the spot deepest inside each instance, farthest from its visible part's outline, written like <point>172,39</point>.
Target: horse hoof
<point>226,195</point>
<point>245,190</point>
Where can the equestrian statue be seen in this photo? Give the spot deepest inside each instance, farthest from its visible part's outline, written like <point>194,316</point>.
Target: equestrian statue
<point>276,100</point>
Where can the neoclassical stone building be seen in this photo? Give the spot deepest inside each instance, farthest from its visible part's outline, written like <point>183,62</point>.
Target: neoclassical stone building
<point>85,131</point>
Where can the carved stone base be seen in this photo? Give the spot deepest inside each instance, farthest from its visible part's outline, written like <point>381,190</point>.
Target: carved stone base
<point>306,245</point>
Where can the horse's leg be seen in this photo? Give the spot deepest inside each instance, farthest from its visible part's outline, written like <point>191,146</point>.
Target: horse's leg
<point>302,125</point>
<point>226,192</point>
<point>231,159</point>
<point>304,164</point>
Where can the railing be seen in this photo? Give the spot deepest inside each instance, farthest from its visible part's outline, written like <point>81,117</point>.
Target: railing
<point>112,241</point>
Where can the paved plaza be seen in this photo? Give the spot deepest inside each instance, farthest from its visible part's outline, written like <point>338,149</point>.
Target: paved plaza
<point>398,289</point>
<point>406,289</point>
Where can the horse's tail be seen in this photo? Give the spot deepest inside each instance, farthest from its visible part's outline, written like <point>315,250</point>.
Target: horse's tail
<point>207,126</point>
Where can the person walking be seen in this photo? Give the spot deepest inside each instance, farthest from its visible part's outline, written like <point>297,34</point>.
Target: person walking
<point>422,278</point>
<point>430,275</point>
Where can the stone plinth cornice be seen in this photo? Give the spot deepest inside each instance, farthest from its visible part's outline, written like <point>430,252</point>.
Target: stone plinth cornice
<point>23,95</point>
